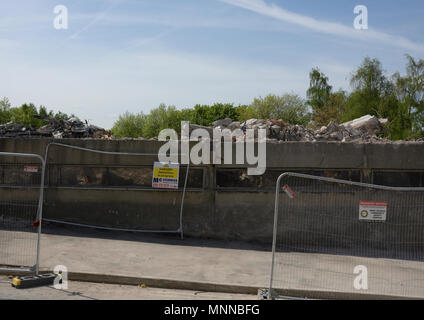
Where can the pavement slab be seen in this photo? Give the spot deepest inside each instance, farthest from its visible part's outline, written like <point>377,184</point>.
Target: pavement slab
<point>210,265</point>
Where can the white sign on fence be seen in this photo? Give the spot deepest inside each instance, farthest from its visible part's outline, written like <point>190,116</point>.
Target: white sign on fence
<point>372,211</point>
<point>165,175</point>
<point>30,169</point>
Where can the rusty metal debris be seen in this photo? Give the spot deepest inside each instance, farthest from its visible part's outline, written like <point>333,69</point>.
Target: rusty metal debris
<point>71,128</point>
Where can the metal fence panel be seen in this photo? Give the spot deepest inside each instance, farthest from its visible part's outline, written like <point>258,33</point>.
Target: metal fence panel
<point>21,194</point>
<point>326,244</point>
<point>146,220</point>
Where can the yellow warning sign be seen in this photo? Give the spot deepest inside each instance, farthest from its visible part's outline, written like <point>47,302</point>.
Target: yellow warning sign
<point>165,175</point>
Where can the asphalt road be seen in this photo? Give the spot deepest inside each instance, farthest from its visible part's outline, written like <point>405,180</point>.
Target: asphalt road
<point>98,291</point>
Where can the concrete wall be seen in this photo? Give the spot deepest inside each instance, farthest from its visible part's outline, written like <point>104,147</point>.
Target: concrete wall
<point>405,156</point>
<point>211,211</point>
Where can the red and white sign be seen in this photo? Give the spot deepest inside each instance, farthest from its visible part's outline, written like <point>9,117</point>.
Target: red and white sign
<point>30,169</point>
<point>372,211</point>
<point>289,191</point>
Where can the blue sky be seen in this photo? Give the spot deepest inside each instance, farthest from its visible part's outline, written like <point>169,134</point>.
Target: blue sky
<point>132,55</point>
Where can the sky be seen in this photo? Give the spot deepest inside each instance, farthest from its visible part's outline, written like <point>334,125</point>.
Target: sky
<point>131,55</point>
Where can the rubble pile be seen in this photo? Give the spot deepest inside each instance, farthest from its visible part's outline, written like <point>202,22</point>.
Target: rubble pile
<point>364,129</point>
<point>71,128</point>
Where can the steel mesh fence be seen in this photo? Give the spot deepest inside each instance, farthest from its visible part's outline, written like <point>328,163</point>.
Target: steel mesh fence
<point>20,210</point>
<point>348,238</point>
<point>113,213</point>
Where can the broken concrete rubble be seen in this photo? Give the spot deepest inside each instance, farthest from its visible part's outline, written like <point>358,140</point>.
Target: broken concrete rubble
<point>222,123</point>
<point>364,129</point>
<point>368,124</point>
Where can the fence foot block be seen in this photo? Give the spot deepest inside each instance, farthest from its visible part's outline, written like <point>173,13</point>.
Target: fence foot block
<point>34,281</point>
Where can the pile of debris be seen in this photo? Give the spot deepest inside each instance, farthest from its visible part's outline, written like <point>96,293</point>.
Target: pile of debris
<point>71,128</point>
<point>364,129</point>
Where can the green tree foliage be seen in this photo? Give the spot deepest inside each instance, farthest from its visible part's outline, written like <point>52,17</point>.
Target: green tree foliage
<point>170,117</point>
<point>400,99</point>
<point>129,125</point>
<point>164,117</point>
<point>288,107</point>
<point>319,89</point>
<point>26,114</point>
<point>245,112</point>
<point>204,115</point>
<point>326,105</point>
<point>318,95</point>
<point>5,104</point>
<point>371,91</point>
<point>4,110</point>
<point>333,110</point>
<point>400,123</point>
<point>160,118</point>
<point>409,91</point>
<point>63,116</point>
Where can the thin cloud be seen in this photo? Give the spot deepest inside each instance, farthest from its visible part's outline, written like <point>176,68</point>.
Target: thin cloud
<point>96,19</point>
<point>272,10</point>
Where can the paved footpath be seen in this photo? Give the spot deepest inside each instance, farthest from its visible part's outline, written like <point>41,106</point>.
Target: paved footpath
<point>206,265</point>
<point>100,291</point>
<point>118,257</point>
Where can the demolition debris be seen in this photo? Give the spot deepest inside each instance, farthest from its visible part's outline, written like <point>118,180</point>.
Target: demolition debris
<point>367,129</point>
<point>364,129</point>
<point>71,128</point>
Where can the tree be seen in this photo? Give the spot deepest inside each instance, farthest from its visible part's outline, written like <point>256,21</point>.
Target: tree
<point>333,110</point>
<point>371,91</point>
<point>318,95</point>
<point>24,114</point>
<point>162,117</point>
<point>27,114</point>
<point>5,104</point>
<point>204,114</point>
<point>400,121</point>
<point>169,117</point>
<point>245,112</point>
<point>410,93</point>
<point>288,107</point>
<point>4,110</point>
<point>63,116</point>
<point>129,125</point>
<point>369,77</point>
<point>326,105</point>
